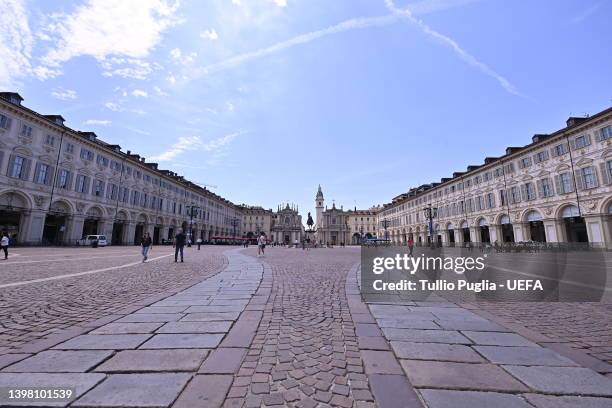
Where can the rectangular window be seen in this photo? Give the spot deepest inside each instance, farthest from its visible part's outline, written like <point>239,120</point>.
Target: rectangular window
<point>487,176</point>
<point>545,188</point>
<point>564,183</point>
<point>525,162</point>
<point>42,174</point>
<point>498,172</point>
<point>503,197</point>
<point>87,154</point>
<point>581,141</point>
<point>5,122</point>
<point>477,180</point>
<point>589,178</point>
<point>82,184</point>
<point>609,170</point>
<point>490,200</point>
<point>515,195</point>
<point>102,161</point>
<point>63,180</point>
<point>69,148</point>
<point>50,140</point>
<point>540,157</point>
<point>26,130</point>
<point>17,168</point>
<point>528,192</point>
<point>603,134</point>
<point>559,150</point>
<point>98,188</point>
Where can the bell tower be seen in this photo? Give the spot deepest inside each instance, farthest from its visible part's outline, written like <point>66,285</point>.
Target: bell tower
<point>319,206</point>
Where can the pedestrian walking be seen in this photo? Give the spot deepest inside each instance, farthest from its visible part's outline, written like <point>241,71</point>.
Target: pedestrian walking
<point>199,242</point>
<point>146,245</point>
<point>179,245</point>
<point>4,243</point>
<point>261,245</point>
<point>410,245</point>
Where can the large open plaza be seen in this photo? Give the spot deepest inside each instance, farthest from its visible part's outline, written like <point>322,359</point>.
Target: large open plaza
<point>227,328</point>
<point>305,204</point>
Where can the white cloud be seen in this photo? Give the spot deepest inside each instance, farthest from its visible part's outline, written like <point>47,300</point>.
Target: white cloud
<point>16,42</point>
<point>209,34</point>
<point>110,28</point>
<point>159,91</point>
<point>171,78</point>
<point>185,143</point>
<point>236,2</point>
<point>195,143</point>
<point>230,106</point>
<point>181,58</point>
<point>139,93</point>
<point>97,122</point>
<point>280,3</point>
<point>139,131</point>
<point>64,94</point>
<point>115,107</point>
<point>41,72</point>
<point>463,54</point>
<point>352,24</point>
<point>586,13</point>
<point>132,68</point>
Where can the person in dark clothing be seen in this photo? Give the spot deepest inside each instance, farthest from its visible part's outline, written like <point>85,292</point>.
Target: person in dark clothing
<point>146,244</point>
<point>179,244</point>
<point>4,243</point>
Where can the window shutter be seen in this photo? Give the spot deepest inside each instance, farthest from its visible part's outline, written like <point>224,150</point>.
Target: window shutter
<point>1,159</point>
<point>102,189</point>
<point>553,152</point>
<point>550,184</point>
<point>587,140</point>
<point>25,171</point>
<point>572,143</point>
<point>36,172</point>
<point>605,177</point>
<point>595,177</point>
<point>492,200</point>
<point>597,135</point>
<point>50,175</point>
<point>9,169</point>
<point>579,180</point>
<point>540,188</point>
<point>524,192</point>
<point>86,184</point>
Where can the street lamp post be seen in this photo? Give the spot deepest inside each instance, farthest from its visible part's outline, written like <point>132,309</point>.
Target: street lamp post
<point>361,234</point>
<point>385,224</point>
<point>234,222</point>
<point>191,224</point>
<point>430,214</point>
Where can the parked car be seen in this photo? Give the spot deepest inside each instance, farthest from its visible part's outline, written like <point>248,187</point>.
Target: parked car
<point>89,239</point>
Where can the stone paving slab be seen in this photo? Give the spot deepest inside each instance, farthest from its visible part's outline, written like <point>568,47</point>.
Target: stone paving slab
<point>205,391</point>
<point>127,328</point>
<point>426,336</point>
<point>58,361</point>
<point>81,383</point>
<point>528,356</point>
<point>179,341</point>
<point>563,380</point>
<point>550,401</point>
<point>150,318</point>
<point>210,317</point>
<point>154,360</point>
<point>8,359</point>
<point>408,323</point>
<point>436,352</point>
<point>471,399</point>
<point>196,327</point>
<point>393,391</point>
<point>472,325</point>
<point>380,362</point>
<point>163,309</point>
<point>460,376</point>
<point>497,339</point>
<point>135,390</point>
<point>223,361</point>
<point>104,342</point>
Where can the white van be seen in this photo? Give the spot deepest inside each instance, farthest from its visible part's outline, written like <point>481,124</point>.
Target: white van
<point>100,238</point>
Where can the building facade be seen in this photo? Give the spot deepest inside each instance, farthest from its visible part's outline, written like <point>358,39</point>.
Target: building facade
<point>58,184</point>
<point>256,220</point>
<point>556,189</point>
<point>336,226</point>
<point>287,227</point>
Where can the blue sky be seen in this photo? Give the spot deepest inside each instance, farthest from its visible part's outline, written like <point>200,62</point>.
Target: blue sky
<point>265,99</point>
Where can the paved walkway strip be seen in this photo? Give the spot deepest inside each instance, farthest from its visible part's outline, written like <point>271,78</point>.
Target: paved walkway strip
<point>457,358</point>
<point>153,356</point>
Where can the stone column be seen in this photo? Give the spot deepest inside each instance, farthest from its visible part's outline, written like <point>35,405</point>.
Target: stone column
<point>475,235</point>
<point>521,231</point>
<point>458,236</point>
<point>595,230</point>
<point>128,233</point>
<point>555,230</point>
<point>105,227</point>
<point>74,229</point>
<point>31,227</point>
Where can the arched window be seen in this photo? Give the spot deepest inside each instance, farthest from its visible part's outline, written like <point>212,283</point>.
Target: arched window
<point>505,219</point>
<point>483,223</point>
<point>570,211</point>
<point>533,216</point>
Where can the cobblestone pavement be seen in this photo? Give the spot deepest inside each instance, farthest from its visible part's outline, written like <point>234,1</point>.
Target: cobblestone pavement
<point>33,311</point>
<point>305,352</point>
